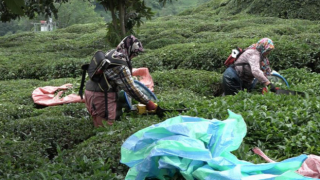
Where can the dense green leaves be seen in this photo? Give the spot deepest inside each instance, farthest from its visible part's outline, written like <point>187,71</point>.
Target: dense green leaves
<point>13,9</point>
<point>297,9</point>
<point>185,56</point>
<point>65,134</point>
<point>77,12</point>
<point>204,83</point>
<point>16,6</point>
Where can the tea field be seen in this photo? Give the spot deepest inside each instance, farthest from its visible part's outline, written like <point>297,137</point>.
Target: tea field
<point>185,55</point>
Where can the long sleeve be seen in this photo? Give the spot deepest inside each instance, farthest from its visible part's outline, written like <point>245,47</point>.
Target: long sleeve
<point>256,71</point>
<point>252,57</point>
<point>121,76</point>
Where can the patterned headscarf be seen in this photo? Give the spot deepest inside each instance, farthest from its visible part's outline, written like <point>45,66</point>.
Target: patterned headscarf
<point>130,46</point>
<point>264,45</point>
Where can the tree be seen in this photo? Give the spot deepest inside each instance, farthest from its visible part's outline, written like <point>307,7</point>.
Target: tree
<point>125,15</point>
<point>13,9</point>
<point>77,12</point>
<point>8,27</point>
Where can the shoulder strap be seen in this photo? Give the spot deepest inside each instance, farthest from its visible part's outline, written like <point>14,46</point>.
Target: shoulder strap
<point>84,70</point>
<point>241,64</point>
<point>114,61</point>
<point>106,112</point>
<point>119,61</point>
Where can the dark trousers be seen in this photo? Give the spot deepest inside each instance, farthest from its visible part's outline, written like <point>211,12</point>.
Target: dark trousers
<point>231,82</point>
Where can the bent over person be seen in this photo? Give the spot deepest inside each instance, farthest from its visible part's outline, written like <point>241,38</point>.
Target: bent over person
<point>119,78</point>
<point>252,63</point>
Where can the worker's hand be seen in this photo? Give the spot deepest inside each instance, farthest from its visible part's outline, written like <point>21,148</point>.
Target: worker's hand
<point>271,87</point>
<point>151,106</point>
<point>264,90</point>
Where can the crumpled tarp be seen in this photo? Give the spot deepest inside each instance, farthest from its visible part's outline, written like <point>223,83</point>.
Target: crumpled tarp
<point>46,95</point>
<point>200,149</point>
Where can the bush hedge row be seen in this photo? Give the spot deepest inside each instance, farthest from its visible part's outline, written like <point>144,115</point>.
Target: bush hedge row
<point>204,83</point>
<point>297,9</point>
<point>178,42</point>
<point>60,142</point>
<point>50,55</point>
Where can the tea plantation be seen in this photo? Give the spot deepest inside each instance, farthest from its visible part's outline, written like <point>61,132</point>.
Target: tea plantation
<point>185,56</point>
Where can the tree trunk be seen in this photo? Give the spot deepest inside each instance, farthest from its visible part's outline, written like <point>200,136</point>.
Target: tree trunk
<point>114,17</point>
<point>122,17</point>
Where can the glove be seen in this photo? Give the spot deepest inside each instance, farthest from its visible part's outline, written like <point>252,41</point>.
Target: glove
<point>151,106</point>
<point>271,87</point>
<point>264,90</point>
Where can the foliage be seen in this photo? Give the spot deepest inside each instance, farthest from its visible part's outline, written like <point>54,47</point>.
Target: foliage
<point>13,9</point>
<point>85,12</point>
<point>8,27</point>
<point>20,25</point>
<point>297,9</point>
<point>65,135</point>
<point>70,13</point>
<point>56,55</point>
<point>125,15</point>
<point>296,41</point>
<point>174,8</point>
<point>205,83</point>
<point>184,55</point>
<point>77,12</point>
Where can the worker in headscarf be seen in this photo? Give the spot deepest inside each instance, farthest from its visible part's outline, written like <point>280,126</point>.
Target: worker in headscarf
<point>252,63</point>
<point>119,78</point>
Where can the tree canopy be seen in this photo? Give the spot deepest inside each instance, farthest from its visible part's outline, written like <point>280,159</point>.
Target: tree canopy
<point>125,13</point>
<point>13,9</point>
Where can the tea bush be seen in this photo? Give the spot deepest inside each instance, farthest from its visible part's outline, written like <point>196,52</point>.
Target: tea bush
<point>185,56</point>
<point>18,157</point>
<point>206,83</point>
<point>69,147</point>
<point>302,9</point>
<point>264,116</point>
<point>200,41</point>
<point>51,54</point>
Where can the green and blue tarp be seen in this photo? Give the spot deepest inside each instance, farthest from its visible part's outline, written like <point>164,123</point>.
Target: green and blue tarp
<point>200,149</point>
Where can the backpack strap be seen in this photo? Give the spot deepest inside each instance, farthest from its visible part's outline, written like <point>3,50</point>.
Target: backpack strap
<point>240,64</point>
<point>109,62</point>
<point>116,62</point>
<point>106,104</point>
<point>84,70</point>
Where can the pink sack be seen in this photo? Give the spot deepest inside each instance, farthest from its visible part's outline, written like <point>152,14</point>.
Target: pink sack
<point>309,168</point>
<point>144,77</point>
<point>46,96</point>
